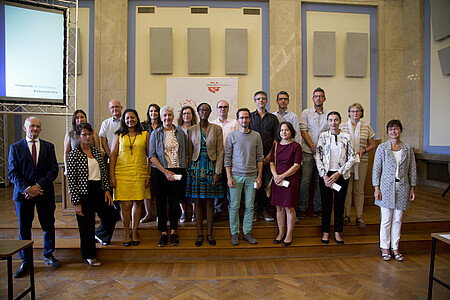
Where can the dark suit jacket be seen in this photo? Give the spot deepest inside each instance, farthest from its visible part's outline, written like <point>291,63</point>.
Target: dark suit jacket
<point>23,173</point>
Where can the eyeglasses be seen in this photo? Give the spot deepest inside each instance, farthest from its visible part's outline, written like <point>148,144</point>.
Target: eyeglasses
<point>222,107</point>
<point>318,96</point>
<point>115,107</point>
<point>355,111</point>
<point>187,113</point>
<point>281,99</point>
<point>261,98</point>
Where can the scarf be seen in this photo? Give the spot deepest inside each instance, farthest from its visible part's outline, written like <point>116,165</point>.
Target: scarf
<point>355,138</point>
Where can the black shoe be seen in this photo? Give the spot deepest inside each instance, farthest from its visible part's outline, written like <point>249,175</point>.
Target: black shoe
<point>22,270</point>
<point>339,242</point>
<point>318,214</point>
<point>135,243</point>
<point>211,239</point>
<point>127,244</point>
<point>301,215</point>
<point>275,241</point>
<point>199,240</point>
<point>163,240</point>
<point>325,242</point>
<point>285,244</point>
<point>52,261</point>
<point>174,239</point>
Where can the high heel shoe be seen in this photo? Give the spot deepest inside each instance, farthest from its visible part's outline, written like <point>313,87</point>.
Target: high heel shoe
<point>211,239</point>
<point>134,243</point>
<point>199,240</point>
<point>275,241</point>
<point>285,244</point>
<point>127,244</point>
<point>341,242</point>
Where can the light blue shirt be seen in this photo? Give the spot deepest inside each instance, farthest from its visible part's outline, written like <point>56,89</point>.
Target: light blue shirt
<point>291,117</point>
<point>314,123</point>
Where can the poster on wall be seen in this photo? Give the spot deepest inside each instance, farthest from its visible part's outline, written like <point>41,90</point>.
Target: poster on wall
<point>193,91</point>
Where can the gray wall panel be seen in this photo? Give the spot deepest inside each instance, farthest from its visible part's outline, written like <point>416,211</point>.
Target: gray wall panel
<point>440,18</point>
<point>444,59</point>
<point>199,51</point>
<point>161,50</point>
<point>236,51</point>
<point>324,53</point>
<point>356,54</point>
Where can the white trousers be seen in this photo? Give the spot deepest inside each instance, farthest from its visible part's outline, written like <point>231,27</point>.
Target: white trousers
<point>390,228</point>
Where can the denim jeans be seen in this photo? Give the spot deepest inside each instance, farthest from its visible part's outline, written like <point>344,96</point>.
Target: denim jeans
<point>246,184</point>
<point>308,169</point>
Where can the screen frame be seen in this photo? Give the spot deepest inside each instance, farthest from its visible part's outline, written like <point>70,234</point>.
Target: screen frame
<point>51,9</point>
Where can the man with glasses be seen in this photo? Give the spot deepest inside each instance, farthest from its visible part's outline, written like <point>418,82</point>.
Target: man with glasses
<point>266,124</point>
<point>313,121</point>
<point>106,134</point>
<point>284,114</point>
<point>228,125</point>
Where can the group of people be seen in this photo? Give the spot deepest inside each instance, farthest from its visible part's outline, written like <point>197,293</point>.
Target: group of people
<point>257,155</point>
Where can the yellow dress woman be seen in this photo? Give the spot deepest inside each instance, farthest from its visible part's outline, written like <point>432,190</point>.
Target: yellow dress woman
<point>129,172</point>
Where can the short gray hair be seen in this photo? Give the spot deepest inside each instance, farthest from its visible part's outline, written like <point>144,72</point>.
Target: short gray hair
<point>164,108</point>
<point>28,120</point>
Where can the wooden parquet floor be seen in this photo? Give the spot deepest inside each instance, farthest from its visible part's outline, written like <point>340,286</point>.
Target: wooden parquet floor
<point>313,278</point>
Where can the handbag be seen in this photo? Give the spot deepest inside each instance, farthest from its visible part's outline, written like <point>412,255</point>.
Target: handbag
<point>268,188</point>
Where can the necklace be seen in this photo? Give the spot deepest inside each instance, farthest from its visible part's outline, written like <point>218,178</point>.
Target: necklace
<point>131,143</point>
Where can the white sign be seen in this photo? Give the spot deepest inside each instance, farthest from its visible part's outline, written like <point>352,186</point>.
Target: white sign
<point>193,91</point>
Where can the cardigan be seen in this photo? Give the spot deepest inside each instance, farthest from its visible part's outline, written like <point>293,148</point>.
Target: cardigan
<point>156,146</point>
<point>78,173</point>
<point>383,175</point>
<point>346,157</point>
<point>214,144</point>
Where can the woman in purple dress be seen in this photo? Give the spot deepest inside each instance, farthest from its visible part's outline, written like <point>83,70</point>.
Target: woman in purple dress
<point>285,160</point>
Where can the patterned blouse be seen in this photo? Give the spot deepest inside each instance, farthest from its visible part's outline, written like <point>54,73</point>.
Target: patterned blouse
<point>171,150</point>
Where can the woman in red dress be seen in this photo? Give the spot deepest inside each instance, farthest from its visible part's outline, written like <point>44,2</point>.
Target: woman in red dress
<point>285,160</point>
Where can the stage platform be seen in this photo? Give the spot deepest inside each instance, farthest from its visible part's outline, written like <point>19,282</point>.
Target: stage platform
<point>429,213</point>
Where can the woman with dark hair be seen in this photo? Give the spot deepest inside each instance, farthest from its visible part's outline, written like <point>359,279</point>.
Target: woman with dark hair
<point>394,179</point>
<point>285,160</point>
<point>70,139</point>
<point>205,145</point>
<point>129,172</point>
<point>168,154</point>
<point>89,190</point>
<point>153,121</point>
<point>186,119</point>
<point>362,138</point>
<point>334,159</point>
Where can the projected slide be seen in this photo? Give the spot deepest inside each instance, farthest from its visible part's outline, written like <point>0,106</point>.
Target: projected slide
<point>32,55</point>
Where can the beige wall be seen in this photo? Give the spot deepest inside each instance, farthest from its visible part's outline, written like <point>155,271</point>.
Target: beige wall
<point>399,39</point>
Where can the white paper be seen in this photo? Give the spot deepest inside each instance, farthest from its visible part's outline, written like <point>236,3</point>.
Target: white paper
<point>177,176</point>
<point>285,183</point>
<point>357,159</point>
<point>336,186</point>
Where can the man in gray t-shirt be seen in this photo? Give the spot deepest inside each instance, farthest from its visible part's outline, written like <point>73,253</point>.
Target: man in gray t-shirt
<point>243,162</point>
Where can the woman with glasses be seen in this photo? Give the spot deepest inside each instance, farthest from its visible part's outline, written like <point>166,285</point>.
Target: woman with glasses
<point>205,147</point>
<point>186,119</point>
<point>362,138</point>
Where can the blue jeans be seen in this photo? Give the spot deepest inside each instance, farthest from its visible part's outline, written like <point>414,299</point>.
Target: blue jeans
<point>246,184</point>
<point>308,169</point>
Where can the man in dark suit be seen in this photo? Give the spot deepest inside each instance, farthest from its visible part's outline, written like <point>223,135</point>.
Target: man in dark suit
<point>32,170</point>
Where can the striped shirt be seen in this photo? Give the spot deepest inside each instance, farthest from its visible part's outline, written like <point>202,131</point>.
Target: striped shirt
<point>366,133</point>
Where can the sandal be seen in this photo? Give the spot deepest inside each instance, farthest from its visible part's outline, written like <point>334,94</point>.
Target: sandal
<point>93,262</point>
<point>360,223</point>
<point>346,220</point>
<point>386,257</point>
<point>211,239</point>
<point>199,240</point>
<point>399,257</point>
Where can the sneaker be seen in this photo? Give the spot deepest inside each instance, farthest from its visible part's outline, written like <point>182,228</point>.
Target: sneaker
<point>255,217</point>
<point>235,239</point>
<point>100,241</point>
<point>267,217</point>
<point>163,241</point>
<point>193,218</point>
<point>301,215</point>
<point>174,239</point>
<point>250,239</point>
<point>318,213</point>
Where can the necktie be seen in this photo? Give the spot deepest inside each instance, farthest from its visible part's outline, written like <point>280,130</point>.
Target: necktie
<point>34,152</point>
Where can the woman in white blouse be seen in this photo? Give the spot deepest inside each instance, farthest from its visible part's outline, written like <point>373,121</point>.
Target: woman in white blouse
<point>334,159</point>
<point>362,138</point>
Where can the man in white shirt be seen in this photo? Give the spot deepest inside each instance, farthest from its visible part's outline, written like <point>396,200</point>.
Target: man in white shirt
<point>107,132</point>
<point>228,125</point>
<point>312,123</point>
<point>284,114</point>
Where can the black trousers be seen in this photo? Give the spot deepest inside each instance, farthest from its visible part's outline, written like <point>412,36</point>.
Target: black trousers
<point>94,202</point>
<point>46,213</point>
<point>168,192</point>
<point>327,194</point>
